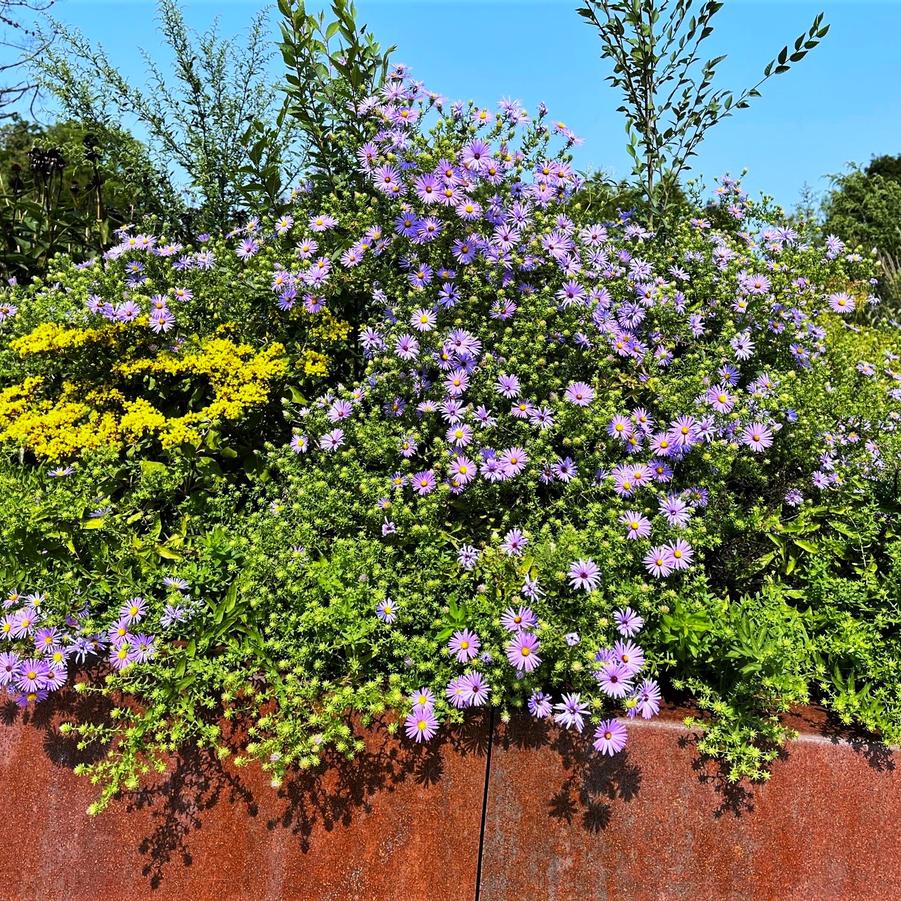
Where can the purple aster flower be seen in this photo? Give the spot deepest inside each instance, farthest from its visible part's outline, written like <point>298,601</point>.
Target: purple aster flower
<point>720,399</point>
<point>424,697</point>
<point>424,482</point>
<point>757,437</point>
<point>610,737</point>
<point>332,440</point>
<point>386,611</point>
<point>584,574</point>
<point>475,688</point>
<point>620,427</point>
<point>513,461</point>
<point>423,320</point>
<point>615,679</point>
<point>679,554</point>
<point>9,667</point>
<point>23,623</point>
<point>628,622</point>
<point>467,556</point>
<point>407,347</point>
<point>456,692</point>
<point>46,639</point>
<point>794,498</point>
<point>579,393</point>
<point>339,410</point>
<point>421,725</point>
<point>464,645</point>
<point>647,698</point>
<point>514,542</point>
<point>571,712</point>
<point>32,675</point>
<point>540,705</point>
<point>322,222</point>
<point>460,435</point>
<point>516,620</point>
<point>299,444</point>
<point>462,470</point>
<point>572,638</point>
<point>638,526</point>
<point>246,249</point>
<point>142,649</point>
<point>522,651</point>
<point>658,563</point>
<point>675,509</point>
<point>629,655</point>
<point>841,302</point>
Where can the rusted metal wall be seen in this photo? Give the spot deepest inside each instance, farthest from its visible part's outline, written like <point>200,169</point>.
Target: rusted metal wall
<point>559,822</point>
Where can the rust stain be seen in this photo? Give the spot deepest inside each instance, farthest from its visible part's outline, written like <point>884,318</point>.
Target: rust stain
<point>658,823</point>
<point>395,823</point>
<point>403,824</point>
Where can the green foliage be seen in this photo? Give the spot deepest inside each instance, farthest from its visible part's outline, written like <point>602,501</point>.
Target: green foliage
<point>201,118</point>
<point>331,69</point>
<point>65,189</point>
<point>864,209</point>
<point>668,96</point>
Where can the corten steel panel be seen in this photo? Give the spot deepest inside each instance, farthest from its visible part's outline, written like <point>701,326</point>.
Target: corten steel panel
<point>395,823</point>
<point>564,823</point>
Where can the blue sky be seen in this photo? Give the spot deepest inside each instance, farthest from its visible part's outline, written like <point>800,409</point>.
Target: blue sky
<point>842,103</point>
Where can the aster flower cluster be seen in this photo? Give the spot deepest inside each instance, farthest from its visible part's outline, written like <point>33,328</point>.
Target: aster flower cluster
<point>505,342</point>
<point>543,436</point>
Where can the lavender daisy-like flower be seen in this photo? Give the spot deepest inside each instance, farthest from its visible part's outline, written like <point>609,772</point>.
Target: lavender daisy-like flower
<point>571,712</point>
<point>647,699</point>
<point>424,482</point>
<point>522,619</point>
<point>423,697</point>
<point>540,705</point>
<point>132,611</point>
<point>514,542</point>
<point>332,440</point>
<point>32,675</point>
<point>462,470</point>
<point>423,320</point>
<point>421,725</point>
<point>9,667</point>
<point>513,461</point>
<point>757,437</point>
<point>456,692</point>
<point>386,611</point>
<point>629,655</point>
<point>679,554</point>
<point>300,444</point>
<point>522,651</point>
<point>507,386</point>
<point>676,510</point>
<point>584,574</point>
<point>638,526</point>
<point>464,645</point>
<point>580,394</point>
<point>841,302</point>
<point>657,562</point>
<point>467,556</point>
<point>475,688</point>
<point>615,679</point>
<point>610,737</point>
<point>628,622</point>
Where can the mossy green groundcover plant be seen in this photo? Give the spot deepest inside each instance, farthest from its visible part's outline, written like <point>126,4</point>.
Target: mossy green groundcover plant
<point>434,441</point>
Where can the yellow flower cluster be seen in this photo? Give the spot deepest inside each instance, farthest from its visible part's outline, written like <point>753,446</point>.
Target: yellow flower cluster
<point>54,429</point>
<point>53,337</point>
<point>81,418</point>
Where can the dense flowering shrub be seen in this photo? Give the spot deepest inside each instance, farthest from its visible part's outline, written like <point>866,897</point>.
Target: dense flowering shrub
<point>563,461</point>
